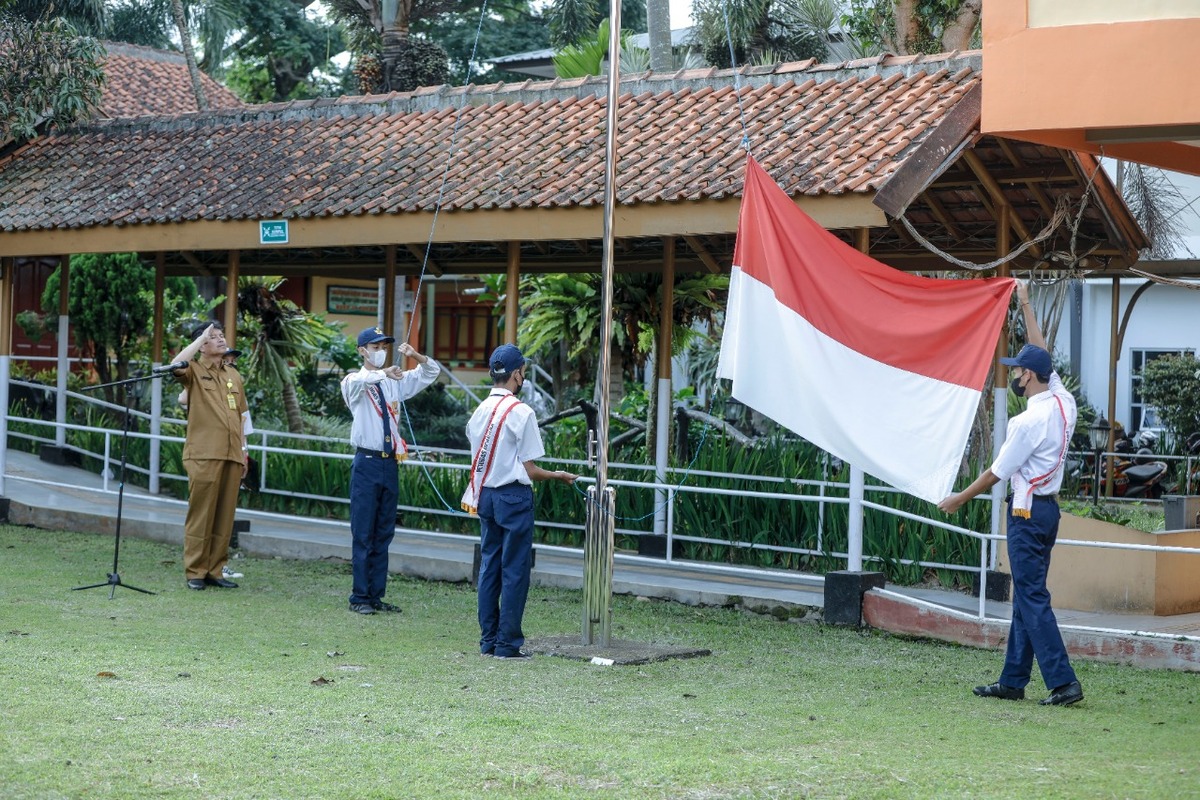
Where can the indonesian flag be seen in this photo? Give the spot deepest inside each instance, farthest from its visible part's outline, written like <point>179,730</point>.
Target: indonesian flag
<point>878,367</point>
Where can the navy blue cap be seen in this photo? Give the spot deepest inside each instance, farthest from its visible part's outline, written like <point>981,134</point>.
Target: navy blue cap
<point>232,352</point>
<point>1033,358</point>
<point>372,335</point>
<point>506,359</point>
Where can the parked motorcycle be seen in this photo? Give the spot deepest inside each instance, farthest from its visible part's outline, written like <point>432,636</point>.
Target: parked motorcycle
<point>1136,470</point>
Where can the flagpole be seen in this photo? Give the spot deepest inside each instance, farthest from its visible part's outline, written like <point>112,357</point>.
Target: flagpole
<point>598,528</point>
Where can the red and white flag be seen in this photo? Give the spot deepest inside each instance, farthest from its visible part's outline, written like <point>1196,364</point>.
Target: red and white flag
<point>878,367</point>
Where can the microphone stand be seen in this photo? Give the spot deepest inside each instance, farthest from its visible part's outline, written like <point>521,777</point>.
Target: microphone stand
<point>114,577</point>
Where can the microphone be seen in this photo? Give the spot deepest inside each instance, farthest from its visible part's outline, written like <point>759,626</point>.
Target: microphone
<point>165,368</point>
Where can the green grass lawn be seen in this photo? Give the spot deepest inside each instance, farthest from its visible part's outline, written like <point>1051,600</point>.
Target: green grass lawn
<point>275,690</point>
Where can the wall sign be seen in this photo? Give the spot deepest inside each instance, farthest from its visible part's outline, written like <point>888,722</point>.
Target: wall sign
<point>361,300</point>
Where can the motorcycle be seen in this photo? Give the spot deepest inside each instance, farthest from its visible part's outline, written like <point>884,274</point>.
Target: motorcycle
<point>1135,470</point>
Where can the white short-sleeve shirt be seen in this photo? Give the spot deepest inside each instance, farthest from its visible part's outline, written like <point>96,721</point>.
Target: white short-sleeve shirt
<point>1037,439</point>
<point>519,441</point>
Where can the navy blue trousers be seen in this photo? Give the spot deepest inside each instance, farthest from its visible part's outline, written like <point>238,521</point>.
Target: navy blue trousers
<point>505,550</point>
<point>374,492</point>
<point>1034,629</point>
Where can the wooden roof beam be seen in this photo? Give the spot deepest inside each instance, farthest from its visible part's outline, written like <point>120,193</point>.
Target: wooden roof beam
<point>418,252</point>
<point>705,257</point>
<point>197,264</point>
<point>1015,159</point>
<point>939,213</point>
<point>998,198</point>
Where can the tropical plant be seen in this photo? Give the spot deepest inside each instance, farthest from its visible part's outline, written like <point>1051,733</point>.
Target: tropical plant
<point>280,333</point>
<point>49,76</point>
<point>587,56</point>
<point>572,21</point>
<point>85,16</point>
<point>516,26</point>
<point>752,28</point>
<point>1171,384</point>
<point>380,30</point>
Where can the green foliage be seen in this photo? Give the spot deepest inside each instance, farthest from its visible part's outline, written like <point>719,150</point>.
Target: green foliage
<point>584,57</point>
<point>872,24</point>
<point>110,307</point>
<point>1131,515</point>
<point>515,27</point>
<point>137,22</point>
<point>756,27</point>
<point>279,52</point>
<point>561,320</point>
<point>49,76</point>
<point>420,63</point>
<point>280,335</point>
<point>573,21</point>
<point>1172,385</point>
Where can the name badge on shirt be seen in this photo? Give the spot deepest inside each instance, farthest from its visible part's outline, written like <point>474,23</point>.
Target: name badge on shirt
<point>230,396</point>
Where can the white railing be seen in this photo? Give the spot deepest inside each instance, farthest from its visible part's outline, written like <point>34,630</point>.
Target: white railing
<point>266,445</point>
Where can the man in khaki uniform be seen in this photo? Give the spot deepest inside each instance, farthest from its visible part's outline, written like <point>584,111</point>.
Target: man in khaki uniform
<point>214,456</point>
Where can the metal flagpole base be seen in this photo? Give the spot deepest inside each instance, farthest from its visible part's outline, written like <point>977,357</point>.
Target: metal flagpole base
<point>598,547</point>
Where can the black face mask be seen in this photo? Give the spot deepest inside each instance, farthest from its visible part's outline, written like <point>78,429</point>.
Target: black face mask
<point>1015,385</point>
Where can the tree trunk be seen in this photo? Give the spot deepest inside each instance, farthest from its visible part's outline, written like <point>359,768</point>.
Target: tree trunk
<point>658,23</point>
<point>291,407</point>
<point>958,34</point>
<point>395,38</point>
<point>905,14</point>
<point>189,54</point>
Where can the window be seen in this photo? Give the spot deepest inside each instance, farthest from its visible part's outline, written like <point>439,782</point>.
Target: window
<point>1140,414</point>
<point>465,335</point>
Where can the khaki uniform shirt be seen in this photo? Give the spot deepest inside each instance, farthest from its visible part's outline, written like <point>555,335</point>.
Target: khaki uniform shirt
<point>216,402</point>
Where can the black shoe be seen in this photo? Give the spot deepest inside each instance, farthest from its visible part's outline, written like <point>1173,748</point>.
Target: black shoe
<point>195,583</point>
<point>520,655</point>
<point>388,607</point>
<point>362,608</point>
<point>222,582</point>
<point>1001,691</point>
<point>1064,695</point>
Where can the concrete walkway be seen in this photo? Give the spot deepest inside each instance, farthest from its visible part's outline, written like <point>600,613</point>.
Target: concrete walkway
<point>65,498</point>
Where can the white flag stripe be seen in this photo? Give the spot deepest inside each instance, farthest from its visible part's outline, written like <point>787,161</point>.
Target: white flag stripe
<point>903,428</point>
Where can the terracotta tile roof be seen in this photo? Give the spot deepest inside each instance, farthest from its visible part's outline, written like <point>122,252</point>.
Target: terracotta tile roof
<point>817,128</point>
<point>142,80</point>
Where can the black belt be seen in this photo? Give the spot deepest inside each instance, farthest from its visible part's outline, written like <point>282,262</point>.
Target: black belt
<point>369,453</point>
<point>1051,497</point>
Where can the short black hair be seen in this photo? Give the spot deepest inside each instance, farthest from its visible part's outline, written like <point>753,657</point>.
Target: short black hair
<point>203,326</point>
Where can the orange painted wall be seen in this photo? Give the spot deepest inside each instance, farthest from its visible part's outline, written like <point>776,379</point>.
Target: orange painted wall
<point>1049,84</point>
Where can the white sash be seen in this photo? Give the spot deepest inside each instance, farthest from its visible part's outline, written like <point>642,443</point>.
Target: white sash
<point>481,464</point>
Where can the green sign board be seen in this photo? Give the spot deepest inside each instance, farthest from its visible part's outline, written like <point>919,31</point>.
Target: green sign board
<point>273,231</point>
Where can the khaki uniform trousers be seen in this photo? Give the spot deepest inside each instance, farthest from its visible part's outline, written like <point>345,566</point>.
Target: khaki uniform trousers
<point>212,501</point>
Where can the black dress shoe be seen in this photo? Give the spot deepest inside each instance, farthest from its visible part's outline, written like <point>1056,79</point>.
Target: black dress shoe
<point>1001,691</point>
<point>1064,695</point>
<point>195,583</point>
<point>222,582</point>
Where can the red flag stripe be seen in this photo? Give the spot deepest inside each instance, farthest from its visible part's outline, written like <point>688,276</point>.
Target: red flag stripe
<point>942,329</point>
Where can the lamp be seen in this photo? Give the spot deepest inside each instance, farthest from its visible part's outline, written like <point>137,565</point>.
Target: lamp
<point>1098,433</point>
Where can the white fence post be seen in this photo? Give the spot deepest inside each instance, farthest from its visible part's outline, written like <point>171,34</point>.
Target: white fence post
<point>855,544</point>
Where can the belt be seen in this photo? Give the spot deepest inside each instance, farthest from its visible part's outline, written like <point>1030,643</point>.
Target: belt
<point>369,453</point>
<point>1051,497</point>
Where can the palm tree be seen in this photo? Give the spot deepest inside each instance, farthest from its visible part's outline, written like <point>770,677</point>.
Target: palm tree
<point>383,26</point>
<point>189,54</point>
<point>279,332</point>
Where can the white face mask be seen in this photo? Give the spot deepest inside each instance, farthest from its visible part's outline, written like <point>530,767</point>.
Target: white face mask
<point>377,357</point>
